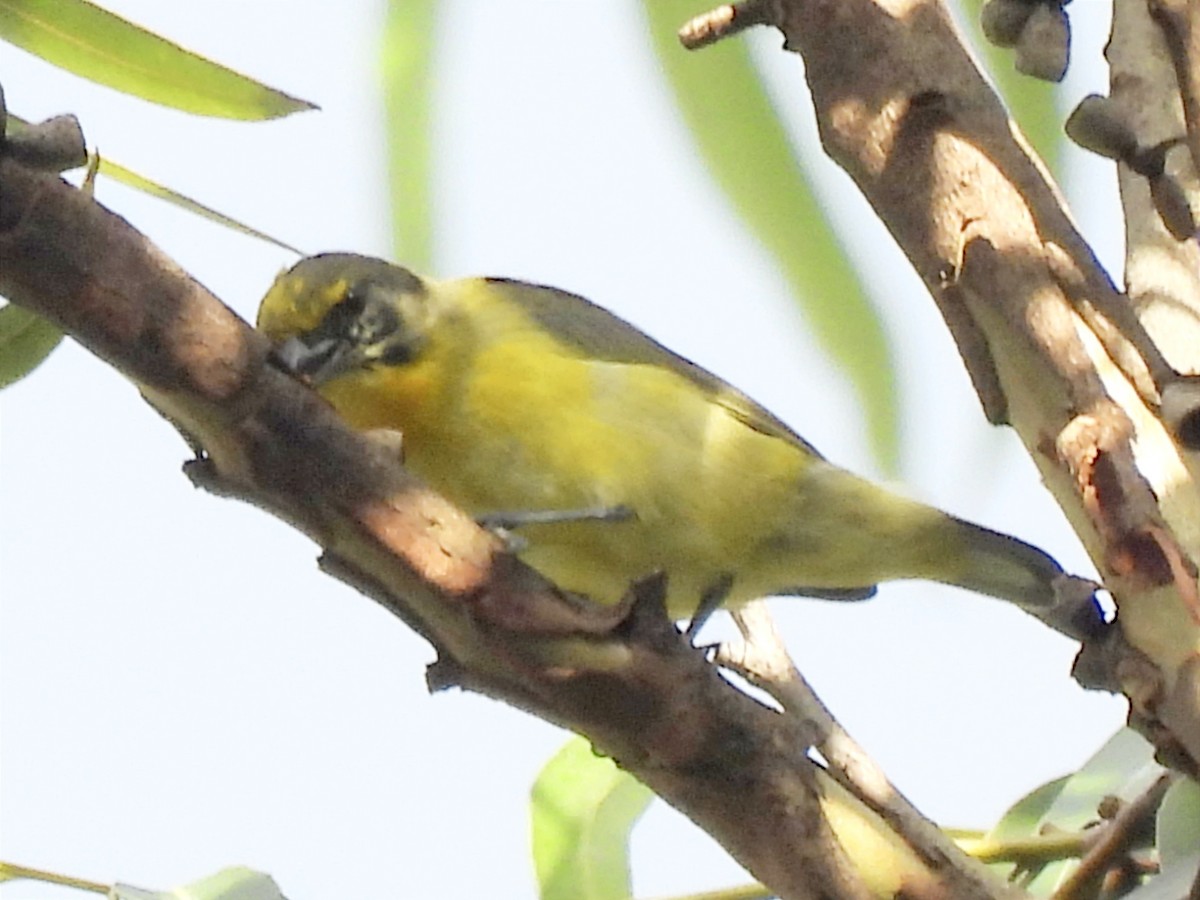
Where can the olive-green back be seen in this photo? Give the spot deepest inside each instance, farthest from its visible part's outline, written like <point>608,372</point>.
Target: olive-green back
<point>599,334</point>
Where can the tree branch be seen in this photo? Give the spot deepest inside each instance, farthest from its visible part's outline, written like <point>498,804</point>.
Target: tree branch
<point>1054,348</point>
<point>623,677</point>
<point>763,660</point>
<point>1050,342</point>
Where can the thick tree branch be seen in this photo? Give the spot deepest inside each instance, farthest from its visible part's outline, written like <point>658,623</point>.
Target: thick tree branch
<point>1049,341</point>
<point>623,677</point>
<point>1053,347</point>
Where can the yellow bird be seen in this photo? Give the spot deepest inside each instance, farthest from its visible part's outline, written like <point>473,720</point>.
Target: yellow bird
<point>534,408</point>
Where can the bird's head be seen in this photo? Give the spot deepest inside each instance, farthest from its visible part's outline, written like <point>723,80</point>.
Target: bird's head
<point>339,313</point>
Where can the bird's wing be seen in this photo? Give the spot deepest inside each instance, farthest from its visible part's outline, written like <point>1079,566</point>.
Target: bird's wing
<point>597,333</point>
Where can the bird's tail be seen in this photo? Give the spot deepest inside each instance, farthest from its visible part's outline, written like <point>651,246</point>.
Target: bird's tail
<point>1003,566</point>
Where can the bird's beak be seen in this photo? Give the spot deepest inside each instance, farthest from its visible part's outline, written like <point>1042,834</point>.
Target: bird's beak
<point>319,362</point>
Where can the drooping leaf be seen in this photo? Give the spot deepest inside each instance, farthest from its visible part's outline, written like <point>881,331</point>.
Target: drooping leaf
<point>26,339</point>
<point>407,53</point>
<point>737,132</point>
<point>233,883</point>
<point>1124,767</point>
<point>1023,817</point>
<point>1018,838</point>
<point>132,179</point>
<point>1177,839</point>
<point>102,47</point>
<point>141,183</point>
<point>583,808</point>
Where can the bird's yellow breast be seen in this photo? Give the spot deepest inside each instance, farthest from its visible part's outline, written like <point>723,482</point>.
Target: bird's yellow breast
<point>503,418</point>
<point>520,400</point>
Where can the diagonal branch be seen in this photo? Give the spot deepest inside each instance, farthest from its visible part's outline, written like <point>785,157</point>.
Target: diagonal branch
<point>1053,348</point>
<point>763,660</point>
<point>623,677</point>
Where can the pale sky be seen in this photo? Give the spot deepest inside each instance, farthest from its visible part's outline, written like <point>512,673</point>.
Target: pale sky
<point>181,690</point>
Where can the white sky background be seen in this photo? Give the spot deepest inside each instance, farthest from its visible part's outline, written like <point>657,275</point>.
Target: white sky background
<point>181,690</point>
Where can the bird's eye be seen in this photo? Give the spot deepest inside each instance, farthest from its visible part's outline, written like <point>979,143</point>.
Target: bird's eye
<point>354,319</point>
<point>341,318</point>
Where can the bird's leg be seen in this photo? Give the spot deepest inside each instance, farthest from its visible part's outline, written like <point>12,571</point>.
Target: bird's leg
<point>503,524</point>
<point>710,601</point>
<point>508,521</point>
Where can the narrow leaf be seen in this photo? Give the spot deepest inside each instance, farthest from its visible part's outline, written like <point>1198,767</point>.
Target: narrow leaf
<point>154,189</point>
<point>583,809</point>
<point>25,340</point>
<point>407,55</point>
<point>91,42</point>
<point>233,883</point>
<point>132,179</point>
<point>14,872</point>
<point>737,132</point>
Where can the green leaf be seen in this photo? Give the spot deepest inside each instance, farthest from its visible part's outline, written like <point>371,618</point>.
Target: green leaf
<point>1025,816</point>
<point>407,55</point>
<point>25,340</point>
<point>132,179</point>
<point>141,183</point>
<point>583,808</point>
<point>13,872</point>
<point>1017,836</point>
<point>233,883</point>
<point>1124,767</point>
<point>1178,824</point>
<point>1172,884</point>
<point>1177,839</point>
<point>95,44</point>
<point>737,132</point>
